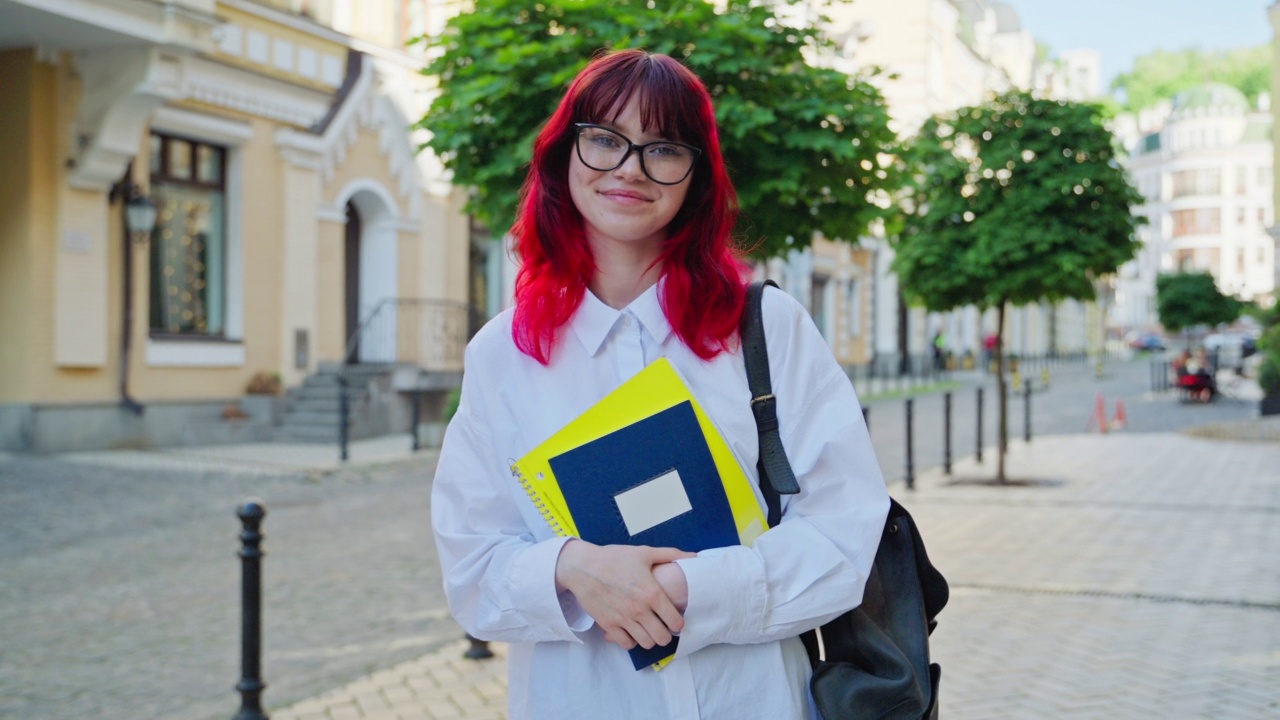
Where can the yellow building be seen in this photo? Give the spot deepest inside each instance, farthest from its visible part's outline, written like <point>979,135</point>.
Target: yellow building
<point>1274,14</point>
<point>295,222</point>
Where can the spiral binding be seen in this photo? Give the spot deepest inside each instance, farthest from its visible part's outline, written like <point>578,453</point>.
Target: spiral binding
<point>539,503</point>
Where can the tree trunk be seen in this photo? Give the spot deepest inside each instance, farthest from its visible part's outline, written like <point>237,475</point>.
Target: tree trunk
<point>1002,434</point>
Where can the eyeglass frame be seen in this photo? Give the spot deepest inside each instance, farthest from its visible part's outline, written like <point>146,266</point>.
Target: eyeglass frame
<point>632,147</point>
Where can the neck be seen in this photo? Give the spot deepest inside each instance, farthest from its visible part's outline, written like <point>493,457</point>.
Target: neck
<point>624,273</point>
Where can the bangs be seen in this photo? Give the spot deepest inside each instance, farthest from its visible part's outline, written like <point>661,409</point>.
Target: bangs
<point>661,88</point>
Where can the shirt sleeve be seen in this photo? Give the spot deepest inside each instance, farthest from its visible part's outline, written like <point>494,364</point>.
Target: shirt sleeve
<point>499,581</point>
<point>813,566</point>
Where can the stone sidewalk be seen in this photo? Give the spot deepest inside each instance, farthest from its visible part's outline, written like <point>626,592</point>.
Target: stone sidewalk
<point>261,459</point>
<point>1121,576</point>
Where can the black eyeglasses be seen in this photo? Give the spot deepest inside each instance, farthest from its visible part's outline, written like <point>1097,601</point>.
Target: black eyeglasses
<point>664,162</point>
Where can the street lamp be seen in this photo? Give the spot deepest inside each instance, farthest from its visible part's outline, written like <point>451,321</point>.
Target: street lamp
<point>139,221</point>
<point>139,213</point>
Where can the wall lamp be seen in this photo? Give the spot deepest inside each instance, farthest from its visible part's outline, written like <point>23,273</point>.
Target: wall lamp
<point>139,210</point>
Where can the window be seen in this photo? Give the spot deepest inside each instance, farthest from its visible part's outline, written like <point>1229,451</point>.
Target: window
<point>189,243</point>
<point>1197,182</point>
<point>818,302</point>
<point>1242,180</point>
<point>855,308</point>
<point>1197,222</point>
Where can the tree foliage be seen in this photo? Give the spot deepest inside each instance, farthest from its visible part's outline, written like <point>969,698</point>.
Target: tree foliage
<point>1161,75</point>
<point>1188,299</point>
<point>1014,201</point>
<point>803,143</point>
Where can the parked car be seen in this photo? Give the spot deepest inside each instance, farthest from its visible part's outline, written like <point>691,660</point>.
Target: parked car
<point>1145,341</point>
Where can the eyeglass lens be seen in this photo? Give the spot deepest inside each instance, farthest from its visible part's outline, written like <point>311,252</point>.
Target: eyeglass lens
<point>663,162</point>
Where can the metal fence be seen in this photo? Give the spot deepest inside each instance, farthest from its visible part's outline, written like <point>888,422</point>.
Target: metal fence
<point>431,334</point>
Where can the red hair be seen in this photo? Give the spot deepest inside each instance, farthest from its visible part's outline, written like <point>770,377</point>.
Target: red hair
<point>704,289</point>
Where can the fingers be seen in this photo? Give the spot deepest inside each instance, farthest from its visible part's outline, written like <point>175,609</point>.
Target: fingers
<point>667,612</point>
<point>620,638</point>
<point>671,579</point>
<point>658,556</point>
<point>616,585</point>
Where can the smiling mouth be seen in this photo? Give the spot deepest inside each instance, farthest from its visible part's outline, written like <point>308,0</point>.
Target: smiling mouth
<point>623,195</point>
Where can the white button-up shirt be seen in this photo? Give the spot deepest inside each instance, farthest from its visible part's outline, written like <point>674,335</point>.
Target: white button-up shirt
<point>739,655</point>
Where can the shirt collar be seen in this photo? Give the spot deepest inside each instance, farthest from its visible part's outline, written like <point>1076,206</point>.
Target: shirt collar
<point>594,320</point>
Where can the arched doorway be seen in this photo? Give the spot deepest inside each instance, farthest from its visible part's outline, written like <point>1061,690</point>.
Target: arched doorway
<point>369,272</point>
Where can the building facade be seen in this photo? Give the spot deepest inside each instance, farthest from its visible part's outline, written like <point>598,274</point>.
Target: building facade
<point>291,204</point>
<point>1206,172</point>
<point>938,56</point>
<point>1273,14</point>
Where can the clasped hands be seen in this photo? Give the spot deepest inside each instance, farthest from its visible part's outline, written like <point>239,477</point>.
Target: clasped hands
<point>635,594</point>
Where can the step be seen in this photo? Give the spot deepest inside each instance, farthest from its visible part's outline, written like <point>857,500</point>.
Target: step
<point>310,418</point>
<point>317,435</point>
<point>311,403</point>
<point>320,392</point>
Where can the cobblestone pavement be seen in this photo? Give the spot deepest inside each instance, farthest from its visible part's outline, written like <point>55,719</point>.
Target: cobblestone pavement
<point>120,582</point>
<point>1125,576</point>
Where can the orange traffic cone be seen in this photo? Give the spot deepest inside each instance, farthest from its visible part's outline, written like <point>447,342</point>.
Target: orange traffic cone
<point>1120,420</point>
<point>1099,417</point>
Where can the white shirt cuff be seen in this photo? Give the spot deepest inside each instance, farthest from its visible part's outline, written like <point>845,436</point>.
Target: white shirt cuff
<point>533,578</point>
<point>727,598</point>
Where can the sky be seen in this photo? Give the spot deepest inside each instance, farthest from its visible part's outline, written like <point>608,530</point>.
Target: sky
<point>1124,29</point>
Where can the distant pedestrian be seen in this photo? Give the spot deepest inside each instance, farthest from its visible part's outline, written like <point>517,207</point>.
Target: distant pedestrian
<point>624,230</point>
<point>939,351</point>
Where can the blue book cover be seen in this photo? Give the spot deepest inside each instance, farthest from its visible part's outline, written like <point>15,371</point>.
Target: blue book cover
<point>653,483</point>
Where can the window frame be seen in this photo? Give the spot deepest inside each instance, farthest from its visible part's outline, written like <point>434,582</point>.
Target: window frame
<point>165,176</point>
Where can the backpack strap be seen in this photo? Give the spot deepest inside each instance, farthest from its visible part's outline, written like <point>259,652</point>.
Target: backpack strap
<point>776,476</point>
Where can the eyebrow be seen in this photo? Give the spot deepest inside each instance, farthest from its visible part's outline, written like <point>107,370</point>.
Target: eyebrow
<point>658,137</point>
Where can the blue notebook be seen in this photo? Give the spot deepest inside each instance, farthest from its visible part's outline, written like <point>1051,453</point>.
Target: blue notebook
<point>653,483</point>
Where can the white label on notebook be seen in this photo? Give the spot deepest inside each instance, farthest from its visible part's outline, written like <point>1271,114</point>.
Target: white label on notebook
<point>653,503</point>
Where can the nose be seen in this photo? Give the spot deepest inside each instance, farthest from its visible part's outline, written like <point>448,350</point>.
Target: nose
<point>630,169</point>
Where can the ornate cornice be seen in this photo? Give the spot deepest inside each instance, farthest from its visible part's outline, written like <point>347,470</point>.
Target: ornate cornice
<point>366,108</point>
<point>122,89</point>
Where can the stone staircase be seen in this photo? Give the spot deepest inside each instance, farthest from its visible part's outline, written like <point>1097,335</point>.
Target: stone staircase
<point>312,409</point>
<point>379,401</point>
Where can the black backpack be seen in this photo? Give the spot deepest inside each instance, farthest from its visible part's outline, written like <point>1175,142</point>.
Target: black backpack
<point>871,663</point>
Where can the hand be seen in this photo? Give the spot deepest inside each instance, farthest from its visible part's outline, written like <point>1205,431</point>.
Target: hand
<point>673,582</point>
<point>615,585</point>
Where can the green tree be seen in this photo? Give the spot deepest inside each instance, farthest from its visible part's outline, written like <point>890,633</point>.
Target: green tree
<point>804,144</point>
<point>1013,202</point>
<point>1188,299</point>
<point>1161,75</point>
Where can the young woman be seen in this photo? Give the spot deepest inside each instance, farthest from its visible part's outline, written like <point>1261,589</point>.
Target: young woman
<point>624,232</point>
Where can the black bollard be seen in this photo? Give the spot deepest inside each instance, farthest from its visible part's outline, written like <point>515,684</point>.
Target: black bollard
<point>979,426</point>
<point>251,684</point>
<point>416,400</point>
<point>1026,412</point>
<point>946,433</point>
<point>479,649</point>
<point>911,473</point>
<point>343,411</point>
